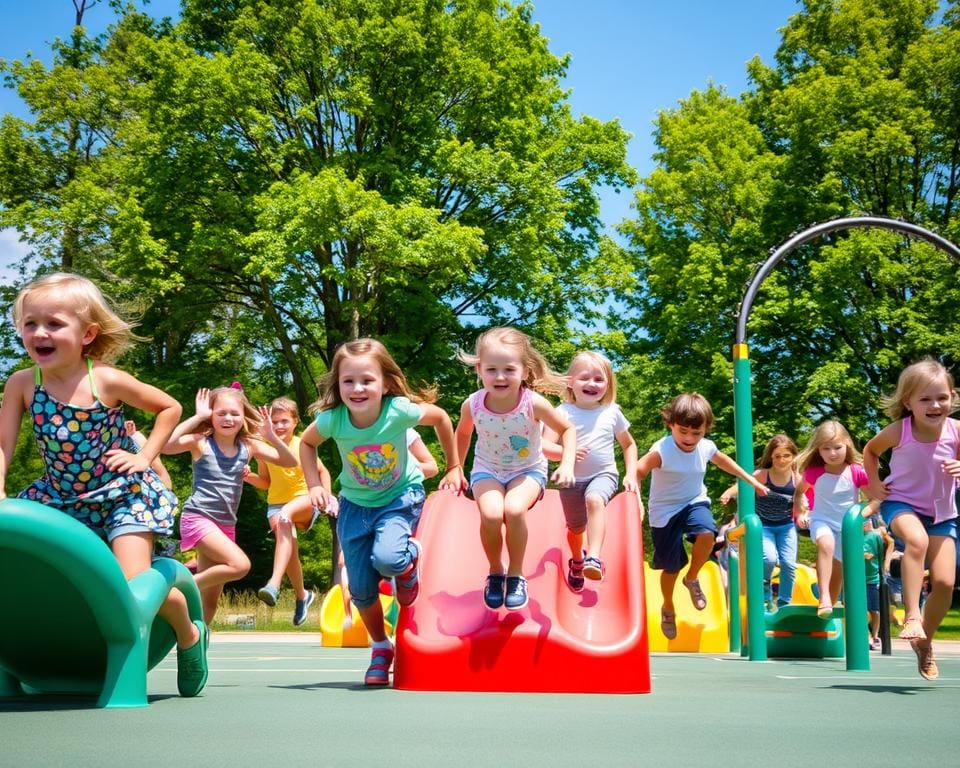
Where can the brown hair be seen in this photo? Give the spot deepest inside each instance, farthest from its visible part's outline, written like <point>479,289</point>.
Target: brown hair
<point>824,432</point>
<point>601,362</point>
<point>776,442</point>
<point>287,405</point>
<point>114,334</point>
<point>251,417</point>
<point>394,382</point>
<point>538,375</point>
<point>910,380</point>
<point>690,409</point>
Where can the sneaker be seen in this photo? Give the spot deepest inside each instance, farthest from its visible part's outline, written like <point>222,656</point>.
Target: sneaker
<point>926,664</point>
<point>378,673</point>
<point>874,643</point>
<point>493,591</point>
<point>192,669</point>
<point>408,582</point>
<point>269,594</point>
<point>593,568</point>
<point>575,574</point>
<point>516,593</point>
<point>300,612</point>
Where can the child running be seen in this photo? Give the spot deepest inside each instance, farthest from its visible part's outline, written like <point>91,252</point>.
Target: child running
<point>92,469</point>
<point>918,501</point>
<point>221,439</point>
<point>831,465</point>
<point>366,407</point>
<point>288,510</point>
<point>509,469</point>
<point>679,505</point>
<point>590,405</point>
<point>778,472</point>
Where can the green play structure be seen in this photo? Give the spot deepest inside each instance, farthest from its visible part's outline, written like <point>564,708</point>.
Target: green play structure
<point>798,631</point>
<point>72,624</point>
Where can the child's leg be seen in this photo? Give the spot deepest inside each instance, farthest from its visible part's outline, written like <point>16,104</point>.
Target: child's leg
<point>489,495</point>
<point>667,582</point>
<point>224,561</point>
<point>282,550</point>
<point>702,547</point>
<point>522,493</point>
<point>575,542</point>
<point>836,581</point>
<point>596,525</point>
<point>769,561</point>
<point>942,559</point>
<point>908,528</point>
<point>787,554</point>
<point>874,624</point>
<point>825,545</point>
<point>372,616</point>
<point>209,596</point>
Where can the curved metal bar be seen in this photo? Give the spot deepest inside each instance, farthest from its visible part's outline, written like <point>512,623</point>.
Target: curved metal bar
<point>818,230</point>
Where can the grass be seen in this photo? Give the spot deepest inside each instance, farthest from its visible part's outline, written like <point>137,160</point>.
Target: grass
<point>244,611</point>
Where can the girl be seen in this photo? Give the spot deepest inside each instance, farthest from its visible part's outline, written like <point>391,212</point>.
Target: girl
<point>219,437</point>
<point>918,501</point>
<point>288,509</point>
<point>590,405</point>
<point>509,468</point>
<point>367,406</point>
<point>778,473</point>
<point>831,465</point>
<point>93,472</point>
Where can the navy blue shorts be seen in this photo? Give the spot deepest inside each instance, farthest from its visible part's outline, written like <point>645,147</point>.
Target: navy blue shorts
<point>668,551</point>
<point>873,598</point>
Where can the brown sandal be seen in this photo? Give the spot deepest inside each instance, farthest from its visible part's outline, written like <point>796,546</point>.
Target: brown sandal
<point>668,623</point>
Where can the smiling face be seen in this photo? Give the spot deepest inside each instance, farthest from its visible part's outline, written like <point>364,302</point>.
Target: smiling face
<point>686,437</point>
<point>53,335</point>
<point>930,404</point>
<point>283,423</point>
<point>227,418</point>
<point>588,382</point>
<point>360,383</point>
<point>501,372</point>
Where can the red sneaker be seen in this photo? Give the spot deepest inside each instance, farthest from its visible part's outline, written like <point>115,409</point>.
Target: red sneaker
<point>408,582</point>
<point>378,673</point>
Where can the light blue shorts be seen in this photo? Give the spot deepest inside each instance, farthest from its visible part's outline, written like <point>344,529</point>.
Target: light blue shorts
<point>537,474</point>
<point>891,510</point>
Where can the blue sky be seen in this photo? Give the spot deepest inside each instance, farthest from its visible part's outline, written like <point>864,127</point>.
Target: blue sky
<point>629,58</point>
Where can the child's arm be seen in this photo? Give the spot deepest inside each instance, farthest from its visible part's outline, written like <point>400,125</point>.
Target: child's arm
<point>428,464</point>
<point>140,440</point>
<point>552,418</point>
<point>185,437</point>
<point>464,434</point>
<point>550,443</point>
<point>651,460</point>
<point>319,495</point>
<point>629,447</point>
<point>259,479</point>
<point>801,512</point>
<point>115,384</point>
<point>436,417</point>
<point>734,490</point>
<point>274,450</point>
<point>952,466</point>
<point>11,413</point>
<point>883,441</point>
<point>731,467</point>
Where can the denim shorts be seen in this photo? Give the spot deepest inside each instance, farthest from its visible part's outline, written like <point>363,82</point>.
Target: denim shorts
<point>574,499</point>
<point>893,509</point>
<point>376,541</point>
<point>668,552</point>
<point>505,479</point>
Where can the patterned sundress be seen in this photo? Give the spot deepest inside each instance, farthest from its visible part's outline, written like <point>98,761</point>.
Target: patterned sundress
<point>73,441</point>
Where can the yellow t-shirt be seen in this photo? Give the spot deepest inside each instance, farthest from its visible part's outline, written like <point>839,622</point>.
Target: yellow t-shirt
<point>286,483</point>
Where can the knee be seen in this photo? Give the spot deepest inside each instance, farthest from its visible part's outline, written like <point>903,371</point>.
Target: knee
<point>514,514</point>
<point>388,559</point>
<point>594,505</point>
<point>240,565</point>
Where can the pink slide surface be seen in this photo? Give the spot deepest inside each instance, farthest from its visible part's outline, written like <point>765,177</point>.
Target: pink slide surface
<point>561,642</point>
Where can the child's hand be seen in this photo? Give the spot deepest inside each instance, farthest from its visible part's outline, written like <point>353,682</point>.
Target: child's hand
<point>630,484</point>
<point>333,507</point>
<point>454,480</point>
<point>952,468</point>
<point>876,490</point>
<point>125,462</point>
<point>562,477</point>
<point>803,520</point>
<point>727,496</point>
<point>319,497</point>
<point>581,453</point>
<point>759,487</point>
<point>266,424</point>
<point>202,404</point>
<point>640,508</point>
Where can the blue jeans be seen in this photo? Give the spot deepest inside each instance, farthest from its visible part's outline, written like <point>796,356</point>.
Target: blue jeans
<point>779,543</point>
<point>376,541</point>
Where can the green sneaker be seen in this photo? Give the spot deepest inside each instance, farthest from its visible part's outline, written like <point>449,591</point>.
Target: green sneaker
<point>192,667</point>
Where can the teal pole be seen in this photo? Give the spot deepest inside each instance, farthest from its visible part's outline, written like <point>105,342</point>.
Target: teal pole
<point>855,630</point>
<point>733,581</point>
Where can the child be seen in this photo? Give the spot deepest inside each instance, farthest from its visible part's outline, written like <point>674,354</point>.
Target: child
<point>288,509</point>
<point>509,469</point>
<point>778,473</point>
<point>92,470</point>
<point>367,406</point>
<point>917,498</point>
<point>140,440</point>
<point>873,557</point>
<point>590,405</point>
<point>678,498</point>
<point>830,464</point>
<point>219,437</point>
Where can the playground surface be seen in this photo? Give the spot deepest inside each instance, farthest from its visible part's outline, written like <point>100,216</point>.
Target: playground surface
<point>283,700</point>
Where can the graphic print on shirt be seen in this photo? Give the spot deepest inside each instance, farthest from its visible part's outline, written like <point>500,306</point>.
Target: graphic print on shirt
<point>521,445</point>
<point>375,466</point>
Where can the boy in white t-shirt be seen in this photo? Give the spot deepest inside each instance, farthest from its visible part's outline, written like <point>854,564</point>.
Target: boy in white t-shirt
<point>679,505</point>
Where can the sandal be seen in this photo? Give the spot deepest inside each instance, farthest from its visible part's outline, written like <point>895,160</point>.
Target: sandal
<point>926,664</point>
<point>697,597</point>
<point>912,630</point>
<point>378,673</point>
<point>668,623</point>
<point>824,611</point>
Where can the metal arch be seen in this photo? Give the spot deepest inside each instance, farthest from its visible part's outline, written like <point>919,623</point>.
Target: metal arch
<point>818,230</point>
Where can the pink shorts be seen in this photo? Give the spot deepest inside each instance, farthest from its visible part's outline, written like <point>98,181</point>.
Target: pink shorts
<point>194,526</point>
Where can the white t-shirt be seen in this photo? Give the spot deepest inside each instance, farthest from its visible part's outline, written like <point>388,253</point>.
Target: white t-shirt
<point>597,429</point>
<point>678,481</point>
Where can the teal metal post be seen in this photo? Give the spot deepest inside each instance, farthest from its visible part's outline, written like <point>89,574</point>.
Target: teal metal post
<point>733,581</point>
<point>855,630</point>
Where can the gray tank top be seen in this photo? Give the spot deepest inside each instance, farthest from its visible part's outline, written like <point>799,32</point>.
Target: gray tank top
<point>217,483</point>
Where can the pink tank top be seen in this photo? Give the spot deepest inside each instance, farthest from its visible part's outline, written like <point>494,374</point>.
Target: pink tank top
<point>916,472</point>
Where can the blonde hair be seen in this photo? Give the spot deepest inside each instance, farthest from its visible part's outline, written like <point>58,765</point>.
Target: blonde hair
<point>287,405</point>
<point>601,362</point>
<point>912,378</point>
<point>538,375</point>
<point>775,442</point>
<point>394,382</point>
<point>251,417</point>
<point>824,432</point>
<point>114,334</point>
<point>690,409</point>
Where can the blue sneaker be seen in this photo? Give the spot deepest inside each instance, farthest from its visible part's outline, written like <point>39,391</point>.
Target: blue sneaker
<point>269,594</point>
<point>493,591</point>
<point>516,597</point>
<point>300,612</point>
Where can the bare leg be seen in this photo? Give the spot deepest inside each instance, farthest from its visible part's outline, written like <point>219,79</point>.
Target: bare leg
<point>575,541</point>
<point>941,555</point>
<point>702,547</point>
<point>522,493</point>
<point>911,532</point>
<point>825,546</point>
<point>490,499</point>
<point>667,582</point>
<point>372,617</point>
<point>596,525</point>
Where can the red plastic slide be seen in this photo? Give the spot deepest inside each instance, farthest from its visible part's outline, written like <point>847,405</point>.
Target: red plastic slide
<point>561,642</point>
